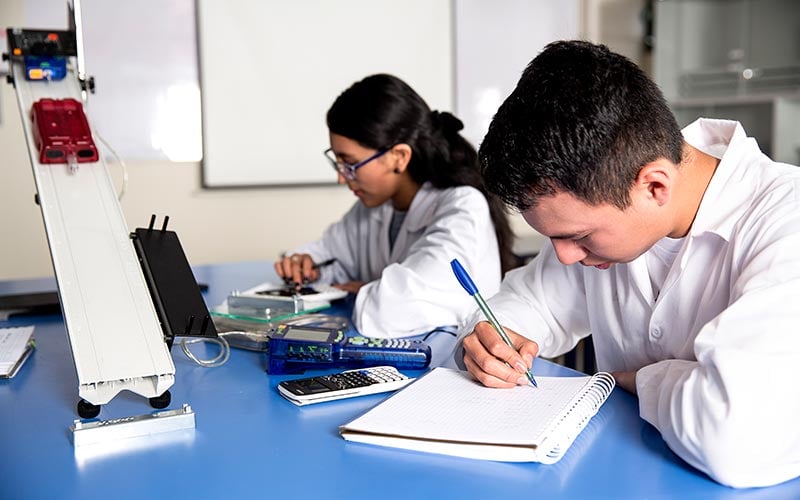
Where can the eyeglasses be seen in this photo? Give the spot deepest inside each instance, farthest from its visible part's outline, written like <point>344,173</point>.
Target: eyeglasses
<point>347,170</point>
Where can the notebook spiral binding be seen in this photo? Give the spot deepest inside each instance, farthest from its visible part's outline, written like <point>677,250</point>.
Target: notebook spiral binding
<point>581,409</point>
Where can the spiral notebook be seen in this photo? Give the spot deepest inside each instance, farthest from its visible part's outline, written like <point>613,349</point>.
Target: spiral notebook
<point>447,412</point>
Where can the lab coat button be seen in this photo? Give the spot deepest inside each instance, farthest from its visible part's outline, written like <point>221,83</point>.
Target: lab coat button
<point>656,333</point>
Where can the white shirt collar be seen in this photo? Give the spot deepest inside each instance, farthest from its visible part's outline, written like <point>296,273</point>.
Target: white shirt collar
<point>713,136</point>
<point>728,191</point>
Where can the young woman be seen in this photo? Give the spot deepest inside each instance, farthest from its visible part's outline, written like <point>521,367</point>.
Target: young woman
<point>421,203</point>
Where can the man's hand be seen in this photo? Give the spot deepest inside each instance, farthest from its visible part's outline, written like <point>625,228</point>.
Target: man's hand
<point>486,355</point>
<point>626,380</point>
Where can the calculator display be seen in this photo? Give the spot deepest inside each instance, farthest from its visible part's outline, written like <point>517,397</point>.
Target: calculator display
<point>295,333</point>
<point>309,386</point>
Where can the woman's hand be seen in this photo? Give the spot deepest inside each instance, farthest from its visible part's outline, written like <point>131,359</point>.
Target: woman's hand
<point>486,355</point>
<point>297,268</point>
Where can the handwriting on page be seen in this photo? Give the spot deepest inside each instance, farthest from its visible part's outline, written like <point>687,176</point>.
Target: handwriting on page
<point>466,411</point>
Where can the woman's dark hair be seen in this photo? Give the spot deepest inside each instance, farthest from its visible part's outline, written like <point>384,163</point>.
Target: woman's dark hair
<point>582,119</point>
<point>382,110</point>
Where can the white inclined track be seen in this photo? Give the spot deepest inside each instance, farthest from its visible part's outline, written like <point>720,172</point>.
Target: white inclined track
<point>114,332</point>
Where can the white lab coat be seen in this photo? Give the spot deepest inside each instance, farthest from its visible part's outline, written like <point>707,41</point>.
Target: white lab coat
<point>412,289</point>
<point>718,353</point>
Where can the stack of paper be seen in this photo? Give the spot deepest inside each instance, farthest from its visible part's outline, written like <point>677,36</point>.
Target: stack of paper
<point>16,345</point>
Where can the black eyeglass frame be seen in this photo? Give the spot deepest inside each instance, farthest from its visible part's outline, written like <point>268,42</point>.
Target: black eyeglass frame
<point>347,170</point>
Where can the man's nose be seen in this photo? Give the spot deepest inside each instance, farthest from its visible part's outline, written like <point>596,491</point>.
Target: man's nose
<point>569,252</point>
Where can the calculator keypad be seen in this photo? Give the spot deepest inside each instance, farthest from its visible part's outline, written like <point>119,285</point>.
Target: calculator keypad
<point>376,342</point>
<point>362,378</point>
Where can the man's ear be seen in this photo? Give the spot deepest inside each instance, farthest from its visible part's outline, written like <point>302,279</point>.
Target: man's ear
<point>656,181</point>
<point>401,156</point>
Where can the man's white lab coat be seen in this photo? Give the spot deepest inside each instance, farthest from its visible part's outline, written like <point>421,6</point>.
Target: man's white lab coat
<point>718,352</point>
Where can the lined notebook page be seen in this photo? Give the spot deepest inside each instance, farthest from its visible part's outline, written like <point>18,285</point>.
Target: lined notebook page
<point>448,405</point>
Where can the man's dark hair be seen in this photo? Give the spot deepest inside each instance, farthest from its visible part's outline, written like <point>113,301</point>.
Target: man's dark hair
<point>582,119</point>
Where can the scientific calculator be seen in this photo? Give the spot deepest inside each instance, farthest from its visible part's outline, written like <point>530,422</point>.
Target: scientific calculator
<point>347,384</point>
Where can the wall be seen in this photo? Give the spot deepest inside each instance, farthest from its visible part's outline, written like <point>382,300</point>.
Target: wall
<point>618,24</point>
<point>494,42</point>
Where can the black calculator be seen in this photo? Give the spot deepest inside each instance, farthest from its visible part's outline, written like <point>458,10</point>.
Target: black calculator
<point>347,384</point>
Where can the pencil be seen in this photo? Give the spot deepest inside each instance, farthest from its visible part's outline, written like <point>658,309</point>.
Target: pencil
<point>324,263</point>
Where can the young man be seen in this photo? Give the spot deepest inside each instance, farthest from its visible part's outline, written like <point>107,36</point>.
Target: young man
<point>679,252</point>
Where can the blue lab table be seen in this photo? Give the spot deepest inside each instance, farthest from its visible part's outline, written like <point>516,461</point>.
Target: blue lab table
<point>251,443</point>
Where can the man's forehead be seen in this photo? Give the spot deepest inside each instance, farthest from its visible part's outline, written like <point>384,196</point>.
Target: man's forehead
<point>562,215</point>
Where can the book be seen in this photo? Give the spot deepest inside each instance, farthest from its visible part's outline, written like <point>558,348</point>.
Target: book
<point>446,411</point>
<point>16,344</point>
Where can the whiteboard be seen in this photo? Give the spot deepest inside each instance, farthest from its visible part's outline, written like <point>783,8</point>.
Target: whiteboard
<point>270,69</point>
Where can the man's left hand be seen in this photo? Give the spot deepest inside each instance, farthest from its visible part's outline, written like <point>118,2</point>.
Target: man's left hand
<point>626,380</point>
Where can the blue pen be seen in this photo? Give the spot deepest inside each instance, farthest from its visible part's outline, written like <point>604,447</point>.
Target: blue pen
<point>469,286</point>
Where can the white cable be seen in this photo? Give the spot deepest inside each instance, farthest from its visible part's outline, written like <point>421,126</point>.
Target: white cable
<point>222,357</point>
<point>124,187</point>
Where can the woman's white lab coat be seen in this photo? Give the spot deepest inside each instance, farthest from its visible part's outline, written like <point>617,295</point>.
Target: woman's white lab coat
<point>718,352</point>
<point>412,289</point>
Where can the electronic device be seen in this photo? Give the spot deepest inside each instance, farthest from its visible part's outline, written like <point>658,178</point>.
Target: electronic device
<point>61,132</point>
<point>45,43</point>
<point>253,334</point>
<point>294,349</point>
<point>29,303</point>
<point>173,288</point>
<point>313,292</point>
<point>45,68</point>
<point>347,384</point>
<point>270,299</point>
